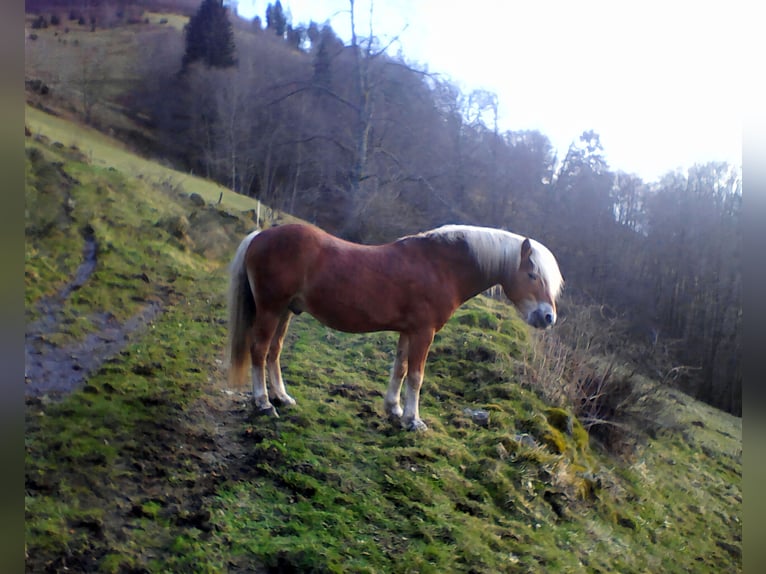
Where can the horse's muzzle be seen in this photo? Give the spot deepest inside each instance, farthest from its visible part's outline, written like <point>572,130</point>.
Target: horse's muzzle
<point>542,318</point>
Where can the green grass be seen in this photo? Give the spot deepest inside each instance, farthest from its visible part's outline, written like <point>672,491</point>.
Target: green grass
<point>103,151</point>
<point>138,260</point>
<point>150,466</point>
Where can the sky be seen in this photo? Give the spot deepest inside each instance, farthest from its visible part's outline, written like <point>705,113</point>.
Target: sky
<point>658,80</point>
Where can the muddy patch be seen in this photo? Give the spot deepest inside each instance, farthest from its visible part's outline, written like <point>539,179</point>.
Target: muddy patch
<point>53,369</point>
<point>57,369</point>
<point>50,307</point>
<point>164,480</point>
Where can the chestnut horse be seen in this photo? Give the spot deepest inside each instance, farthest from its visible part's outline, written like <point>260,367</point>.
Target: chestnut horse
<point>411,286</point>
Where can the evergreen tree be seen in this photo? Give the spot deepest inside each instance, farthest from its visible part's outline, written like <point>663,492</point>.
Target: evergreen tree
<point>276,19</point>
<point>326,45</point>
<point>209,36</point>
<point>296,36</point>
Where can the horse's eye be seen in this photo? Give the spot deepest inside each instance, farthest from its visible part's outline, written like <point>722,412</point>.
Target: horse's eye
<point>532,276</point>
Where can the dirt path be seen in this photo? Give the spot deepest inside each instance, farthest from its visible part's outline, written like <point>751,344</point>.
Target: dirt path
<point>209,435</point>
<point>57,369</point>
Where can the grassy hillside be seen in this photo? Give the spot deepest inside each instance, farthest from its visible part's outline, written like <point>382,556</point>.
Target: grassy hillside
<point>151,464</point>
<point>101,151</point>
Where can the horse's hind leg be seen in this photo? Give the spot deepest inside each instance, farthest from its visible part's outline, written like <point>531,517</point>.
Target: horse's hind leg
<point>391,403</point>
<point>418,351</point>
<point>277,391</point>
<point>263,332</point>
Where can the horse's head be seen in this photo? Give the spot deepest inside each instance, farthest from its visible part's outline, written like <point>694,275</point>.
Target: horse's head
<point>535,285</point>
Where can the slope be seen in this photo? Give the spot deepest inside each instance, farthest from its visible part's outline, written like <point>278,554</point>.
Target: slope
<point>150,464</point>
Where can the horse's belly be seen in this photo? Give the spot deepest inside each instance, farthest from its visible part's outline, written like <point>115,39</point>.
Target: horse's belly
<point>359,293</point>
<point>353,317</point>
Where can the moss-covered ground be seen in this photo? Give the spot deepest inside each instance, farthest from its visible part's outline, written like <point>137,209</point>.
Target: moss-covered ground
<point>154,466</point>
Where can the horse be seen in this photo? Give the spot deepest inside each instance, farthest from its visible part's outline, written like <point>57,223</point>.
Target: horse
<point>411,286</point>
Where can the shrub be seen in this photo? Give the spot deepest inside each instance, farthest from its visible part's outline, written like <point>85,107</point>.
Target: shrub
<point>575,366</point>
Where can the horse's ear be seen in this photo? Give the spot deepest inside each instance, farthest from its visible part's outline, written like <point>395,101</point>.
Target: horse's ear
<point>526,249</point>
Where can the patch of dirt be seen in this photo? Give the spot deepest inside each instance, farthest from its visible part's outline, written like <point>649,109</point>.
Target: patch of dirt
<point>209,438</point>
<point>173,468</point>
<point>177,461</point>
<point>56,369</point>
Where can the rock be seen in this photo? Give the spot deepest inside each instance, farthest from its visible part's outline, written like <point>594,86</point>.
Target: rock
<point>525,439</point>
<point>197,199</point>
<point>478,416</point>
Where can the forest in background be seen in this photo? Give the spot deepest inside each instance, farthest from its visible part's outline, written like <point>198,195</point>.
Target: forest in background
<point>371,146</point>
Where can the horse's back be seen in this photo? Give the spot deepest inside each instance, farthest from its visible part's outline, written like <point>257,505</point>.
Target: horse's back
<point>294,258</point>
<point>293,241</point>
<point>349,286</point>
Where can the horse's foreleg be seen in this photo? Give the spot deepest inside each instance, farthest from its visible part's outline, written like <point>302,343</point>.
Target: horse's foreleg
<point>277,391</point>
<point>419,344</point>
<point>398,372</point>
<point>263,332</point>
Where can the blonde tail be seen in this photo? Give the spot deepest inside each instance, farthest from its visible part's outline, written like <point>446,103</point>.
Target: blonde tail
<point>241,316</point>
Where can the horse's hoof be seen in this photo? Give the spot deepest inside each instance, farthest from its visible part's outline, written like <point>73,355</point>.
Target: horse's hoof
<point>268,411</point>
<point>394,412</point>
<point>417,425</point>
<point>286,401</point>
<point>394,418</point>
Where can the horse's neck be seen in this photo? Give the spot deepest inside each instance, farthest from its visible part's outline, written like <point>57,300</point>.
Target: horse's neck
<point>476,277</point>
<point>471,276</point>
<point>486,282</point>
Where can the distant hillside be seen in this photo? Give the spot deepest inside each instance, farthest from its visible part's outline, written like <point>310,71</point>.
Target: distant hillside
<point>97,7</point>
<point>151,464</point>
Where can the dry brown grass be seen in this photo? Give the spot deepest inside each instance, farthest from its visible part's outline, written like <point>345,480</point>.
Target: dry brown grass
<point>585,365</point>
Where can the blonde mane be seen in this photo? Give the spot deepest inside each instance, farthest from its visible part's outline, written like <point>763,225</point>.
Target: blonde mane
<point>495,250</point>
